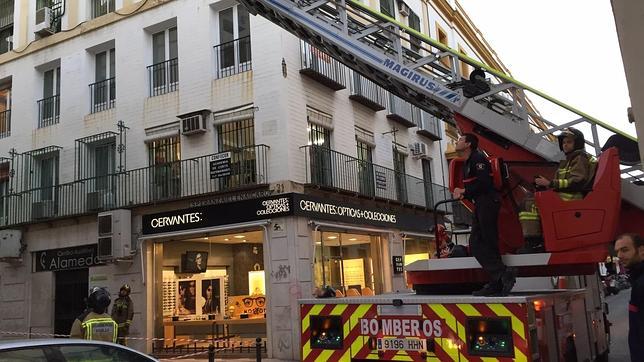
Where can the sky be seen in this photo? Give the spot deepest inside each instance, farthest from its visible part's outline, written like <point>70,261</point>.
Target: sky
<point>566,49</point>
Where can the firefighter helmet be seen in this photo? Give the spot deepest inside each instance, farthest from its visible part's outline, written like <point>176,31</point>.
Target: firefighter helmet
<point>99,299</point>
<point>575,134</point>
<point>127,288</point>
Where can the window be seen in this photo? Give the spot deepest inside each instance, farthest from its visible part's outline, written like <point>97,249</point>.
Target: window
<point>414,23</point>
<point>5,111</point>
<point>103,90</point>
<point>441,36</point>
<point>239,138</point>
<point>465,68</point>
<point>164,72</point>
<point>48,165</point>
<point>401,177</point>
<point>49,105</point>
<point>233,54</point>
<point>4,189</point>
<point>6,25</point>
<point>102,7</point>
<point>165,160</point>
<point>348,261</point>
<point>418,248</point>
<point>388,7</point>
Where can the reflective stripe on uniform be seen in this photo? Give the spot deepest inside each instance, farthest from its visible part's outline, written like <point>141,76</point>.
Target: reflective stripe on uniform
<point>88,325</point>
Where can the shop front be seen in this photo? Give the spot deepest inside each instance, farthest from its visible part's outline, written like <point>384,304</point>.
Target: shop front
<point>230,273</point>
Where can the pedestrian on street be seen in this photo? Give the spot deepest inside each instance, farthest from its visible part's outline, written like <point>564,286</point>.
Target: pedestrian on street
<point>628,248</point>
<point>122,313</point>
<point>484,242</point>
<point>94,323</point>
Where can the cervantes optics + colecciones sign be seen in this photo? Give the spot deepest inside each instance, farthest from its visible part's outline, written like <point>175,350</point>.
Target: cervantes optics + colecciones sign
<point>282,205</point>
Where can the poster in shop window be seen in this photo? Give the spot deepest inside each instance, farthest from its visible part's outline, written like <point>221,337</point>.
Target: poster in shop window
<point>211,294</point>
<point>187,297</point>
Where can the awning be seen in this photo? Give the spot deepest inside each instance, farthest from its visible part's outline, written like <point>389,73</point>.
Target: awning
<point>242,225</point>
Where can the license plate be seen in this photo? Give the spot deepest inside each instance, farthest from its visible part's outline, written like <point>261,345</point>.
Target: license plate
<point>401,344</point>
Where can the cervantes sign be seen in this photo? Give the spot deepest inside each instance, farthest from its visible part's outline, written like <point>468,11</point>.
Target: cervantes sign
<point>76,257</point>
<point>281,205</point>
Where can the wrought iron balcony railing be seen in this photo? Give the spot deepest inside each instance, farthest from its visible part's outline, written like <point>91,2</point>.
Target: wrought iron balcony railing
<point>233,57</point>
<point>322,67</point>
<point>102,7</point>
<point>5,123</point>
<point>48,111</point>
<point>367,92</point>
<point>164,77</point>
<point>429,126</point>
<point>403,112</point>
<point>164,182</point>
<point>102,95</point>
<point>331,169</point>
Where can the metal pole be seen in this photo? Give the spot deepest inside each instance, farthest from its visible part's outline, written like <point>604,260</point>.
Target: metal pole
<point>211,353</point>
<point>258,349</point>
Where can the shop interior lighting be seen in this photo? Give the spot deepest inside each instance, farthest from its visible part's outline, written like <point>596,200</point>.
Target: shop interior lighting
<point>239,236</point>
<point>332,237</point>
<point>226,239</point>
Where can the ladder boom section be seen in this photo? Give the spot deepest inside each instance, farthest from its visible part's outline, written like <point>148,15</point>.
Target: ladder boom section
<point>427,73</point>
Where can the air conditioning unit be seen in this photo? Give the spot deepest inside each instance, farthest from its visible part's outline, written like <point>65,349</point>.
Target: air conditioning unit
<point>114,234</point>
<point>10,244</point>
<point>99,200</point>
<point>403,8</point>
<point>418,149</point>
<point>193,124</point>
<point>42,209</point>
<point>44,22</point>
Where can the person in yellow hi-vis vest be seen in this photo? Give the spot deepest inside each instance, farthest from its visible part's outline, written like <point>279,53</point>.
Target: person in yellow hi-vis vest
<point>94,323</point>
<point>573,178</point>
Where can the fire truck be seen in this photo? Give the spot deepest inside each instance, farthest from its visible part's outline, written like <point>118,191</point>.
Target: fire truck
<point>440,321</point>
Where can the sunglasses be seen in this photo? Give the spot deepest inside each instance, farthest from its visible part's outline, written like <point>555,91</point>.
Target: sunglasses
<point>259,301</point>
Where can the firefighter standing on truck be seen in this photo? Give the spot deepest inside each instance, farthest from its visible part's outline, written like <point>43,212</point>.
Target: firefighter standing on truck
<point>94,323</point>
<point>479,189</point>
<point>122,313</point>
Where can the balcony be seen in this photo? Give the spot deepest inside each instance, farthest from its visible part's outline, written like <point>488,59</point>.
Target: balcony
<point>403,112</point>
<point>48,111</point>
<point>165,182</point>
<point>429,126</point>
<point>329,169</point>
<point>233,57</point>
<point>163,77</point>
<point>5,123</point>
<point>367,93</point>
<point>102,95</point>
<point>322,67</point>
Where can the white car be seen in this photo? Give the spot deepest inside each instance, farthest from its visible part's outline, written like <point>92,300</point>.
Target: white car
<point>67,350</point>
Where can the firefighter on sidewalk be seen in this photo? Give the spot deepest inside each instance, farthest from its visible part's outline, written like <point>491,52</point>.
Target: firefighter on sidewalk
<point>484,242</point>
<point>122,313</point>
<point>94,323</point>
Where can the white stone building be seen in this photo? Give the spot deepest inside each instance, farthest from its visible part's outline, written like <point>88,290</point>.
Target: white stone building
<point>116,108</point>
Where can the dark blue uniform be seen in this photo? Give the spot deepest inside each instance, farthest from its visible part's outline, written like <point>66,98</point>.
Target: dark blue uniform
<point>479,188</point>
<point>636,313</point>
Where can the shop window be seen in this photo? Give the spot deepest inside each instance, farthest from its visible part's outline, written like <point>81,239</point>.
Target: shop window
<point>165,160</point>
<point>418,248</point>
<point>350,263</point>
<point>213,280</point>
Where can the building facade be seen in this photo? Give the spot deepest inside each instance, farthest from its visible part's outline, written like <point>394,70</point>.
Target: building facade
<point>221,167</point>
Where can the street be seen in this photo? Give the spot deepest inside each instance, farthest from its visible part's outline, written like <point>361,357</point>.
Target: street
<point>618,316</point>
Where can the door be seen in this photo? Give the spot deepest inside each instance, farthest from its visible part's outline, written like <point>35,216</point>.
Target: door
<point>427,178</point>
<point>238,137</point>
<point>70,293</point>
<point>365,169</point>
<point>400,173</point>
<point>320,157</point>
<point>234,54</point>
